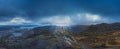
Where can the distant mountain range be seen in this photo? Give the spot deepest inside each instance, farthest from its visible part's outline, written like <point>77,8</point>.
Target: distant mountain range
<point>104,27</point>
<point>74,28</point>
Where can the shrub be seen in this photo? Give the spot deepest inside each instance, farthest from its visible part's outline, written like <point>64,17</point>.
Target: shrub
<point>112,42</point>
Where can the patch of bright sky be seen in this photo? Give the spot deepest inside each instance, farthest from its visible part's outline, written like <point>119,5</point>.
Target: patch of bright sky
<point>19,20</point>
<point>16,21</point>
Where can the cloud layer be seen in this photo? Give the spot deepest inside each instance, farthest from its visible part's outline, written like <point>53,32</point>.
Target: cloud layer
<point>90,11</point>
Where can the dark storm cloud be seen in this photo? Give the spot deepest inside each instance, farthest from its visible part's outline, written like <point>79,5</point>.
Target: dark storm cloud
<point>38,8</point>
<point>34,9</point>
<point>103,7</point>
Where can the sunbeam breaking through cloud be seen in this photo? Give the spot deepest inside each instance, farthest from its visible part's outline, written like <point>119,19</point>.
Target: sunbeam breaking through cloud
<point>58,20</point>
<point>85,19</point>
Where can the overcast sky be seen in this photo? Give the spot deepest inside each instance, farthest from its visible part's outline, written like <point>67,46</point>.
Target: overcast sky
<point>59,11</point>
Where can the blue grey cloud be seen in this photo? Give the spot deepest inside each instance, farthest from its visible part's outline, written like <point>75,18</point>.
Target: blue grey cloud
<point>38,9</point>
